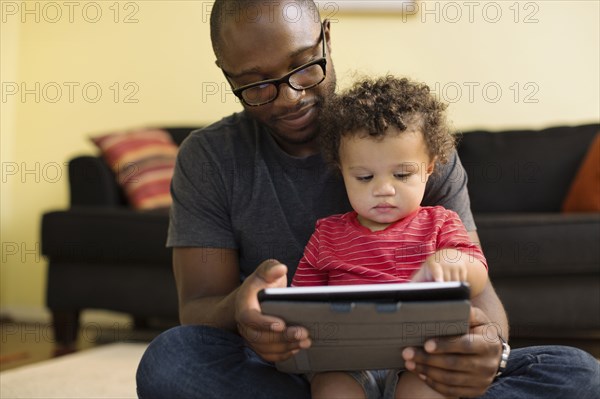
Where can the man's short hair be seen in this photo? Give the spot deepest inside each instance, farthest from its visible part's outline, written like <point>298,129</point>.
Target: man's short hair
<point>225,10</point>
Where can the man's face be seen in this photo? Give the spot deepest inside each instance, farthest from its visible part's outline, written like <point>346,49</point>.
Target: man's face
<point>268,46</point>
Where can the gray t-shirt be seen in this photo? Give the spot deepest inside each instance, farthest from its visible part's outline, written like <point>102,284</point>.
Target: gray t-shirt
<point>234,187</point>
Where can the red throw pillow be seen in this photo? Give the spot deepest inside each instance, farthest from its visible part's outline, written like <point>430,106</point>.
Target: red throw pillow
<point>584,194</point>
<point>143,162</point>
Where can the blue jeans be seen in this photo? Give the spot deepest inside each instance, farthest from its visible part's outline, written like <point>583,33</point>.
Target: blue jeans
<point>205,362</point>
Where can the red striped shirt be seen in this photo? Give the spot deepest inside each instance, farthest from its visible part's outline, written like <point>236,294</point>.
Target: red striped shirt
<point>342,251</point>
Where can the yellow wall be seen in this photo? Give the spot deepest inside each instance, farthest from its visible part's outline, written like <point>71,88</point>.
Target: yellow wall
<point>499,64</point>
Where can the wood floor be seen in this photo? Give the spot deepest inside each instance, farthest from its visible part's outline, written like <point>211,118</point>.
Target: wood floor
<point>26,343</point>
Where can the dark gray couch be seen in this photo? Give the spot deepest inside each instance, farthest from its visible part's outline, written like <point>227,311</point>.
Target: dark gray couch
<point>544,264</point>
<point>104,255</point>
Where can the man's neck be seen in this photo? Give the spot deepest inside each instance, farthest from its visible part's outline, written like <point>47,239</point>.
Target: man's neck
<point>299,150</point>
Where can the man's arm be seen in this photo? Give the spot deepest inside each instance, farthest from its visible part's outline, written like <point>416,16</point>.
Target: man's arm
<point>210,294</point>
<point>207,281</point>
<point>489,302</point>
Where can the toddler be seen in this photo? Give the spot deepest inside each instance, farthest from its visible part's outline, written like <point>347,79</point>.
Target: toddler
<point>385,136</point>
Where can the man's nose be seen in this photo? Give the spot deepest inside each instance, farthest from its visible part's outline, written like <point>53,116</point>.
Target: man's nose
<point>289,95</point>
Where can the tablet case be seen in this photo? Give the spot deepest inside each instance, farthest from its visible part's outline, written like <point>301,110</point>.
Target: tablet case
<point>367,333</point>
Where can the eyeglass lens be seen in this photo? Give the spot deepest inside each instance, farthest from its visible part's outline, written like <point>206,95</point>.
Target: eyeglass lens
<point>304,78</point>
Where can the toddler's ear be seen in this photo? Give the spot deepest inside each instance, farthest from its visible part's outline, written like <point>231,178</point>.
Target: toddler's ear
<point>431,166</point>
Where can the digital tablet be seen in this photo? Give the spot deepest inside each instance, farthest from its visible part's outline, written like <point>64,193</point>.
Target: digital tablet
<point>356,327</point>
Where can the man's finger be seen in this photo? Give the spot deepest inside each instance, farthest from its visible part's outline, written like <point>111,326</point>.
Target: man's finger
<point>452,390</point>
<point>459,376</point>
<point>270,271</point>
<point>254,319</point>
<point>464,344</point>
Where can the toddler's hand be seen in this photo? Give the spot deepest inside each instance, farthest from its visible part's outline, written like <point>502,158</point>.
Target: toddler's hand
<point>444,265</point>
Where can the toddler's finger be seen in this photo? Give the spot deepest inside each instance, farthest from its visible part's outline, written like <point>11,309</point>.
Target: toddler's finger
<point>436,271</point>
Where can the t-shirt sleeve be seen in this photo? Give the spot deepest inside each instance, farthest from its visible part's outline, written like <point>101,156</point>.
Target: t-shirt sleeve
<point>447,187</point>
<point>452,234</point>
<point>307,273</point>
<point>199,212</point>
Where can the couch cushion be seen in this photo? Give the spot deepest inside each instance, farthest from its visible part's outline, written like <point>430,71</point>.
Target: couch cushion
<point>523,171</point>
<point>143,162</point>
<point>584,194</point>
<point>547,305</point>
<point>101,234</point>
<point>526,245</point>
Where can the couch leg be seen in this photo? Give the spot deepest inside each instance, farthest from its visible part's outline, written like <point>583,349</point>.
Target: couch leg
<point>66,328</point>
<point>141,323</point>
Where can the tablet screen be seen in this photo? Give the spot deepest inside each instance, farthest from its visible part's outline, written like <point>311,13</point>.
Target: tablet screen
<point>370,292</point>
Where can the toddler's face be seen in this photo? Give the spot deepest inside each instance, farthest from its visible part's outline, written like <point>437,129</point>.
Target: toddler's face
<point>385,179</point>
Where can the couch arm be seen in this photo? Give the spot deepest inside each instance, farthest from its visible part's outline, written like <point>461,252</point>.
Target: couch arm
<point>92,183</point>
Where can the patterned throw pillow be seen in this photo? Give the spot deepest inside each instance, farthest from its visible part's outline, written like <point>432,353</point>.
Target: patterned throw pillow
<point>584,193</point>
<point>143,162</point>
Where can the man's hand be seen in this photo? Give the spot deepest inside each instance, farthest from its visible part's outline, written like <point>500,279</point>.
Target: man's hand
<point>462,366</point>
<point>444,265</point>
<point>266,335</point>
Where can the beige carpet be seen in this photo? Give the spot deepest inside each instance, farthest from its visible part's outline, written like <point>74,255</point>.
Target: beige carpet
<point>106,371</point>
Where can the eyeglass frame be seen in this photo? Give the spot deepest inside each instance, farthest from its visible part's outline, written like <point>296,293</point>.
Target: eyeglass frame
<point>322,62</point>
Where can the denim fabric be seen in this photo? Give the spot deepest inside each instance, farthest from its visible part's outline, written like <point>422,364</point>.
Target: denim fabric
<point>371,381</point>
<point>204,362</point>
<point>548,372</point>
<point>377,384</point>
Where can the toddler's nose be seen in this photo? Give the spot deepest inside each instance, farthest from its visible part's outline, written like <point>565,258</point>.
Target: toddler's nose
<point>384,188</point>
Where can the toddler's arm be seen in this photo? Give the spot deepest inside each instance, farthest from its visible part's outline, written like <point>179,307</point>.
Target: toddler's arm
<point>451,264</point>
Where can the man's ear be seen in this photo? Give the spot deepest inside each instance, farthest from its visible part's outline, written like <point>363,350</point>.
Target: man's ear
<point>327,31</point>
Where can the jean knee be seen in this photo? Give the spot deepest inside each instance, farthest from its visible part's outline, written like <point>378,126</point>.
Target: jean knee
<point>585,368</point>
<point>151,375</point>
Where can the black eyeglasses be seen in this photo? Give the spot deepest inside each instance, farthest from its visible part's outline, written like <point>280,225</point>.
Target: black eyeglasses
<point>304,77</point>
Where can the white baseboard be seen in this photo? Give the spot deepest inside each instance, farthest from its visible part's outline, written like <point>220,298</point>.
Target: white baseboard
<point>40,314</point>
<point>25,314</point>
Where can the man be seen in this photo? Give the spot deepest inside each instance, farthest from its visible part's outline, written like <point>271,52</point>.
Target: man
<point>246,194</point>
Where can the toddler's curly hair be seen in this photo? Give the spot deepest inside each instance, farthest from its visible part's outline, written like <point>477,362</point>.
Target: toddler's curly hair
<point>373,106</point>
